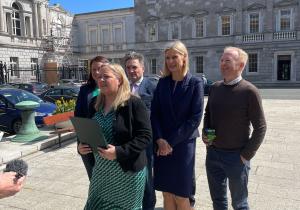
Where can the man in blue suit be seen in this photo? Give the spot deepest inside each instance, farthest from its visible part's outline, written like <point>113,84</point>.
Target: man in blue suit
<point>144,88</point>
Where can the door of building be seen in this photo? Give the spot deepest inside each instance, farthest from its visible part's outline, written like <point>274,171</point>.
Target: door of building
<point>284,67</point>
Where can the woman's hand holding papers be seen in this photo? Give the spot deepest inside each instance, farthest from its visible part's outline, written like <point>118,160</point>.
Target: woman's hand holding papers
<point>84,149</point>
<point>109,153</point>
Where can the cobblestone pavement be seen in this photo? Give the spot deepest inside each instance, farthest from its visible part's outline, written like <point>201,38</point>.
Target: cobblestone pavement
<point>57,179</point>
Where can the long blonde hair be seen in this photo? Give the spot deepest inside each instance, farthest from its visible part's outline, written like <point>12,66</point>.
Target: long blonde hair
<point>123,93</point>
<point>179,47</point>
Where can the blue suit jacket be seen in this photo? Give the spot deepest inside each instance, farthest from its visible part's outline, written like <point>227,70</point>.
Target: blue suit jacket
<point>176,117</point>
<point>146,90</point>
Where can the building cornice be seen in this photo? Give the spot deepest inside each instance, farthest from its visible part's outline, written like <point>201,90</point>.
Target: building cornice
<point>199,13</point>
<point>119,12</point>
<point>286,3</point>
<point>254,7</point>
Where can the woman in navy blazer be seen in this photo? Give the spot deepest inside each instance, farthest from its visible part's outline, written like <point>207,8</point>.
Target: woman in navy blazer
<point>85,103</point>
<point>176,112</point>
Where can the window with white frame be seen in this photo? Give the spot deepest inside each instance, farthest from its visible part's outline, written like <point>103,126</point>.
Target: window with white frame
<point>174,30</point>
<point>16,20</point>
<point>105,38</point>
<point>253,63</point>
<point>285,19</point>
<point>199,64</point>
<point>93,36</point>
<point>225,24</point>
<point>254,23</point>
<point>153,65</point>
<point>152,32</point>
<point>14,66</point>
<point>199,26</point>
<point>105,35</point>
<point>118,35</point>
<point>34,66</point>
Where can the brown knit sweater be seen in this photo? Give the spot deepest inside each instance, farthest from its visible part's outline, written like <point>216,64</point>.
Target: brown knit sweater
<point>230,110</point>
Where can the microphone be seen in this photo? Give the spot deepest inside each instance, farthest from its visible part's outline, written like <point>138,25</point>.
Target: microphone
<point>18,166</point>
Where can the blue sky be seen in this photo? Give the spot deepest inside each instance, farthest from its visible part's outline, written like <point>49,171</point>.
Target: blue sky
<point>83,6</point>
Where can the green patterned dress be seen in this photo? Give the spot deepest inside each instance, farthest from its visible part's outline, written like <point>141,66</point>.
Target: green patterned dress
<point>110,187</point>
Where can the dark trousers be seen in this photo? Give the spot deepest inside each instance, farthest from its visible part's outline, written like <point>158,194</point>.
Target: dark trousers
<point>149,199</point>
<point>222,165</point>
<point>89,162</point>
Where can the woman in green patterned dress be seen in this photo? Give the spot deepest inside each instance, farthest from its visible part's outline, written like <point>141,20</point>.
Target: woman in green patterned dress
<point>118,177</point>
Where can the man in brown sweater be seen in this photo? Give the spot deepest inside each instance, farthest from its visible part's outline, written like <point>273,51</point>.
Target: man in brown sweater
<point>233,105</point>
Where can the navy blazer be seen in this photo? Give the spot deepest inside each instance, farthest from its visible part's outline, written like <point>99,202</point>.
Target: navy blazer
<point>85,102</point>
<point>176,117</point>
<point>146,90</point>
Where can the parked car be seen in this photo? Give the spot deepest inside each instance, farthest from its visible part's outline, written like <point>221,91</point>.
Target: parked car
<point>39,87</point>
<point>58,92</point>
<point>33,87</point>
<point>24,86</point>
<point>10,116</point>
<point>6,86</point>
<point>72,82</point>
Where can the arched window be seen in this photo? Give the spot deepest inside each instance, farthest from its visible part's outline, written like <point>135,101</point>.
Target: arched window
<point>16,20</point>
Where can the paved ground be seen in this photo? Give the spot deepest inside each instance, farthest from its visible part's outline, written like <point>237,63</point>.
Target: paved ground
<point>57,179</point>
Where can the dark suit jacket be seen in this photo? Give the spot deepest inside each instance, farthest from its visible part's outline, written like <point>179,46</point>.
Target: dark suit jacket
<point>132,134</point>
<point>146,90</point>
<point>176,117</point>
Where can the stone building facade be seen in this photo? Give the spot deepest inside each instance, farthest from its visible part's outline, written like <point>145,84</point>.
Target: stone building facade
<point>269,30</point>
<point>108,33</point>
<point>26,28</point>
<point>32,32</point>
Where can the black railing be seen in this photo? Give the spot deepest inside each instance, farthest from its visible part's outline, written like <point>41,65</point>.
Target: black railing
<point>12,74</point>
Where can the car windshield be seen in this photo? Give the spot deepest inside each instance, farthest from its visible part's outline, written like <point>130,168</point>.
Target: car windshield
<point>16,96</point>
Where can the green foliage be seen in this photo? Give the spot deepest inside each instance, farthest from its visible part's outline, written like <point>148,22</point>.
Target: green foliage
<point>64,106</point>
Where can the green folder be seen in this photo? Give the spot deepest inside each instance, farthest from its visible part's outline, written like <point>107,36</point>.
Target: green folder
<point>89,132</point>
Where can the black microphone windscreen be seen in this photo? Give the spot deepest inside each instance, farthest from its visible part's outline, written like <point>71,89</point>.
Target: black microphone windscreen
<point>18,166</point>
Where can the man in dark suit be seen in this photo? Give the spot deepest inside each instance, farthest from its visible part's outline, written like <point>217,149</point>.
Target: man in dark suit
<point>143,87</point>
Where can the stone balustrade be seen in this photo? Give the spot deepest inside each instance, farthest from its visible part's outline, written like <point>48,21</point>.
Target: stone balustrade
<point>286,35</point>
<point>253,37</point>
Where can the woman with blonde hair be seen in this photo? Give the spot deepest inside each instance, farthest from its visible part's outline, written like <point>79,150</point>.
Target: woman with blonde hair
<point>118,176</point>
<point>176,113</point>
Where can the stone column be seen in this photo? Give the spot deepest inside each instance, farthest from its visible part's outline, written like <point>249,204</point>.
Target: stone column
<point>35,19</point>
<point>1,18</point>
<point>40,22</point>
